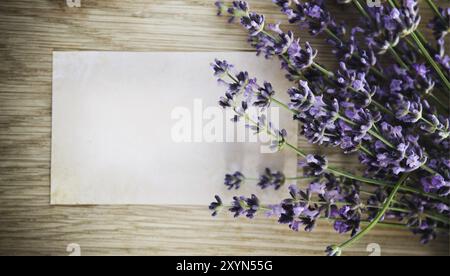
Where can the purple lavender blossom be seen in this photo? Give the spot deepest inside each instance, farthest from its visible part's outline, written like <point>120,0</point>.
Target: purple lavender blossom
<point>436,184</point>
<point>245,206</point>
<point>215,206</point>
<point>314,165</point>
<point>301,58</point>
<point>350,221</point>
<point>221,68</point>
<point>254,23</point>
<point>441,24</point>
<point>302,98</point>
<point>264,96</point>
<point>237,10</point>
<point>234,181</point>
<point>270,178</point>
<point>312,14</point>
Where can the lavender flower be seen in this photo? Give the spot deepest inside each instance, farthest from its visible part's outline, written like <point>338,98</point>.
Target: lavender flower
<point>302,98</point>
<point>254,23</point>
<point>417,222</point>
<point>269,178</point>
<point>312,14</point>
<point>441,24</point>
<point>351,219</point>
<point>408,155</point>
<point>215,206</point>
<point>234,181</point>
<point>384,32</point>
<point>362,122</point>
<point>408,17</point>
<point>237,10</point>
<point>436,184</point>
<point>221,68</point>
<point>333,251</point>
<point>408,111</point>
<point>245,206</point>
<point>314,165</point>
<point>301,58</point>
<point>263,98</point>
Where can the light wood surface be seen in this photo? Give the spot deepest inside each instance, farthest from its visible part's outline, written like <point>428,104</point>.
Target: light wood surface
<point>29,31</point>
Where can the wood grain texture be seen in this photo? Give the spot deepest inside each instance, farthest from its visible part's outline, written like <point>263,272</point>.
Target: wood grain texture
<point>29,31</point>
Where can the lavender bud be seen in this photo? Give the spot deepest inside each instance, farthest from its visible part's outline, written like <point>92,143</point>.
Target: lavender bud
<point>269,178</point>
<point>234,181</point>
<point>215,206</point>
<point>314,165</point>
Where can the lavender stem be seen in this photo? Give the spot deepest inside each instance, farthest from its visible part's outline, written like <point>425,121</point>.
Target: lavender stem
<point>426,54</point>
<point>378,218</point>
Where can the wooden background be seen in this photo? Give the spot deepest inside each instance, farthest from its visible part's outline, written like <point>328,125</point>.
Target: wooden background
<point>29,31</point>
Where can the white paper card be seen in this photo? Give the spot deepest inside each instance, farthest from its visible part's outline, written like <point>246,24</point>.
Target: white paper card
<point>114,119</point>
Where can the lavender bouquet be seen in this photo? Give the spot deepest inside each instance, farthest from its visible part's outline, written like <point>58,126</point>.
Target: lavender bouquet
<point>387,102</point>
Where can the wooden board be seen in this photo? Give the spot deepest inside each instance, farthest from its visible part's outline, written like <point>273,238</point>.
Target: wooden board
<point>29,32</point>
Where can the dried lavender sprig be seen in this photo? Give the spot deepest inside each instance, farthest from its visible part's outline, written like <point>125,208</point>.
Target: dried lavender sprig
<point>440,25</point>
<point>390,48</point>
<point>426,54</point>
<point>277,179</point>
<point>419,33</point>
<point>447,207</point>
<point>411,32</point>
<point>270,178</point>
<point>301,209</point>
<point>440,58</point>
<point>304,155</point>
<point>315,15</point>
<point>217,206</point>
<point>337,250</point>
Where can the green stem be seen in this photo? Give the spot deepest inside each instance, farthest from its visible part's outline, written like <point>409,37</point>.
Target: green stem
<point>330,33</point>
<point>396,55</point>
<point>391,49</point>
<point>281,104</point>
<point>361,9</point>
<point>378,217</point>
<point>398,58</point>
<point>431,61</point>
<point>386,142</point>
<point>426,54</point>
<point>323,70</point>
<point>366,151</point>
